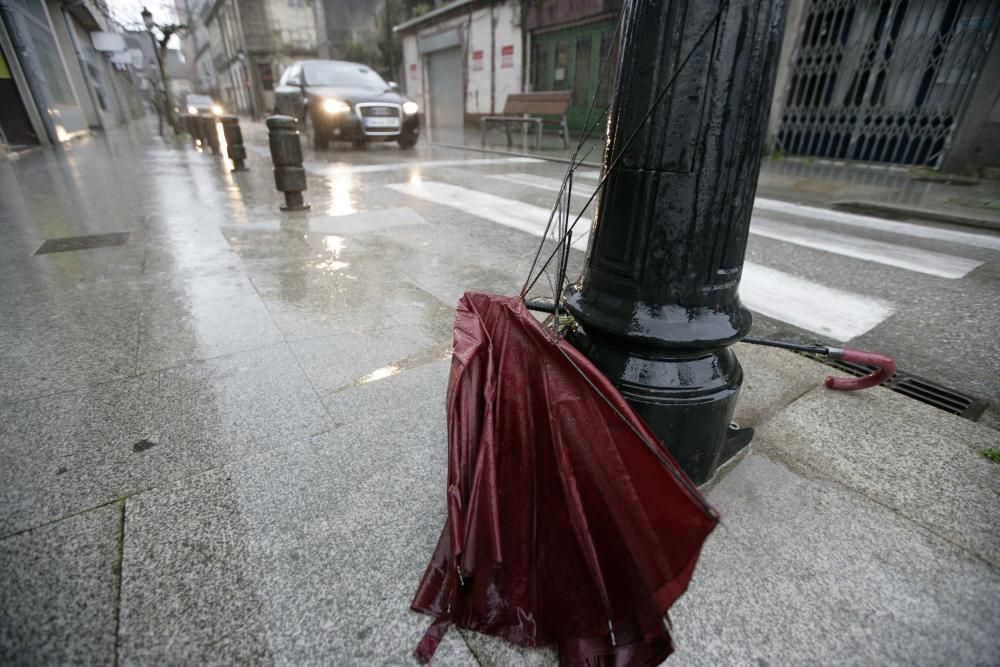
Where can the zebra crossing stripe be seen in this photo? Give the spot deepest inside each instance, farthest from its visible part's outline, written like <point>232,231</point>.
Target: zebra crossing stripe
<point>889,254</point>
<point>972,239</point>
<point>827,311</point>
<point>501,210</point>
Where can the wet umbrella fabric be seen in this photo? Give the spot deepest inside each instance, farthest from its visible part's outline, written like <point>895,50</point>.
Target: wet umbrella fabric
<point>567,521</point>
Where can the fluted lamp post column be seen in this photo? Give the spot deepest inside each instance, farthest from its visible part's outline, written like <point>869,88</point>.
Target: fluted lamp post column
<point>658,305</point>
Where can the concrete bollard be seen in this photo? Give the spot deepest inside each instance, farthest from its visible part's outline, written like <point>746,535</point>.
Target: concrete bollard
<point>211,133</point>
<point>197,135</point>
<point>286,154</point>
<point>234,142</point>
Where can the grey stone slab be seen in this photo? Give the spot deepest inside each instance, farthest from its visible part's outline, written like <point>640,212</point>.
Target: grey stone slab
<point>493,652</point>
<point>772,379</point>
<point>76,450</point>
<point>61,339</point>
<point>307,555</point>
<point>312,300</point>
<point>808,572</point>
<point>58,586</point>
<point>334,361</point>
<point>917,460</point>
<point>194,326</point>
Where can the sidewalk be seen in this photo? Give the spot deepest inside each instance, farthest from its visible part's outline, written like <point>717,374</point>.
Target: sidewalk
<point>224,442</point>
<point>883,191</point>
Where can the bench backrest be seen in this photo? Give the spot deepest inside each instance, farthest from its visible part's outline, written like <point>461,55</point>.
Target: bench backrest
<point>544,103</point>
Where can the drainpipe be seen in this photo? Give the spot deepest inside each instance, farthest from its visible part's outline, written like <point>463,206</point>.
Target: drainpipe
<point>658,305</point>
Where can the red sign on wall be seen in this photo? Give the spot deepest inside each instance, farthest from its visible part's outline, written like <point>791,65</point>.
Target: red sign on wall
<point>413,71</point>
<point>507,56</point>
<point>477,59</point>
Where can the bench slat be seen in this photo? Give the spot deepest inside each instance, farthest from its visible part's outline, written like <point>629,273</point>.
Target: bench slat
<point>545,103</point>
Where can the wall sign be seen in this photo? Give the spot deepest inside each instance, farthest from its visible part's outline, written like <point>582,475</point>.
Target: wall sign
<point>507,55</point>
<point>413,71</point>
<point>477,59</point>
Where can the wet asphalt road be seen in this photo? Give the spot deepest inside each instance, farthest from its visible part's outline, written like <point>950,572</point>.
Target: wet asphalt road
<point>924,293</point>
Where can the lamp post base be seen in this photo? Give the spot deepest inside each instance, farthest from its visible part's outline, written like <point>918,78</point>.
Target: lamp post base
<point>687,398</point>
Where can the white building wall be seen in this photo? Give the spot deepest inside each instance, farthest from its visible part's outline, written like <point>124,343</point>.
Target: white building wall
<point>479,59</point>
<point>413,71</point>
<point>509,56</point>
<point>496,33</point>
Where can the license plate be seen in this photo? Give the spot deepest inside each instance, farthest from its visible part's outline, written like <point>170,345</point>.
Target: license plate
<point>381,122</point>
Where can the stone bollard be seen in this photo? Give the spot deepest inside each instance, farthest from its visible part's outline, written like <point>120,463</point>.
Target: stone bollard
<point>286,154</point>
<point>234,142</point>
<point>198,131</point>
<point>211,133</point>
<point>185,120</point>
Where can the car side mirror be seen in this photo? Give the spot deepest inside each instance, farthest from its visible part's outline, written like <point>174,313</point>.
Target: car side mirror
<point>393,86</point>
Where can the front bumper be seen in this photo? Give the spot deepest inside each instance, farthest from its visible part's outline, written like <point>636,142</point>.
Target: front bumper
<point>352,125</point>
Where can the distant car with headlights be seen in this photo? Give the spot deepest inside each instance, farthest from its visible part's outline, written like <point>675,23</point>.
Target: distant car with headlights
<point>202,105</point>
<point>336,100</point>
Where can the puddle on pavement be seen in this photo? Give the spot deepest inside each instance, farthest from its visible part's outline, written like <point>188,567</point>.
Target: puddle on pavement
<point>428,356</point>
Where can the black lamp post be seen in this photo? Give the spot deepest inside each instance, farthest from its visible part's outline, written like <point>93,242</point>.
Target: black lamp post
<point>160,47</point>
<point>658,304</point>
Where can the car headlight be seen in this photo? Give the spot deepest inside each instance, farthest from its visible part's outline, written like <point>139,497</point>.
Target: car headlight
<point>216,110</point>
<point>335,106</point>
<point>410,108</point>
<point>193,111</point>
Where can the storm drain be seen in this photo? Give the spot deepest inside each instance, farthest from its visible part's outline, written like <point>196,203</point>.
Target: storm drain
<point>71,243</point>
<point>917,388</point>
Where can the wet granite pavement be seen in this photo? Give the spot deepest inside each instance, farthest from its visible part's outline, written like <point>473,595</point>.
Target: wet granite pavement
<point>223,441</point>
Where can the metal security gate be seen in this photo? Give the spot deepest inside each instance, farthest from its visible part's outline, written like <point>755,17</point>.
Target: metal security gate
<point>884,80</point>
<point>447,99</point>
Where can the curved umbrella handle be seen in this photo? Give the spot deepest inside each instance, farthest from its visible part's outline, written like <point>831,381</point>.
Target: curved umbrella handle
<point>886,369</point>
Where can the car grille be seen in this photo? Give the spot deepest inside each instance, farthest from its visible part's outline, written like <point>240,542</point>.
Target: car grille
<point>378,118</point>
<point>380,111</point>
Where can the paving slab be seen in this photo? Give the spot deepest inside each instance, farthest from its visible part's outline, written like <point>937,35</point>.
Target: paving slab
<point>808,572</point>
<point>58,591</point>
<point>772,379</point>
<point>80,449</point>
<point>307,555</point>
<point>919,461</point>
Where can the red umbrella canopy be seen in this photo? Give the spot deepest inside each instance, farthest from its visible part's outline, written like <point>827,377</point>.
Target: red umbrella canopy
<point>568,522</point>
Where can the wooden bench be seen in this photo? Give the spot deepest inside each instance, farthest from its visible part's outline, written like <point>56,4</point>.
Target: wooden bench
<point>538,109</point>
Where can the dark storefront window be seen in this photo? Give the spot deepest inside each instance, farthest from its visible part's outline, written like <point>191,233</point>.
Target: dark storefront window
<point>266,75</point>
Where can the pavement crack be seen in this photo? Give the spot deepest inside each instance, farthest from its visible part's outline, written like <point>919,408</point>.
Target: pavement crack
<point>118,570</point>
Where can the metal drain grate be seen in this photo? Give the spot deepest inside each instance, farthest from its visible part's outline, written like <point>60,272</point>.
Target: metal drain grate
<point>71,243</point>
<point>918,388</point>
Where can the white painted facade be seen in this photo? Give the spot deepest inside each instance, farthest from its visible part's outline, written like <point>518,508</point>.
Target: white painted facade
<point>492,51</point>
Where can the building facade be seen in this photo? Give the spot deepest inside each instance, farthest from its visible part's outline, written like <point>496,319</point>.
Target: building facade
<point>65,68</point>
<point>240,47</point>
<point>344,25</point>
<point>462,60</point>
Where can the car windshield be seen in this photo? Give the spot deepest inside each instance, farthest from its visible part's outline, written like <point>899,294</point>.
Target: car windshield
<point>348,75</point>
<point>199,100</point>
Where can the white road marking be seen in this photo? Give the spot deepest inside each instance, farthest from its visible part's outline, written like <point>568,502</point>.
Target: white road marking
<point>501,210</point>
<point>864,221</point>
<point>824,310</point>
<point>827,311</point>
<point>869,222</point>
<point>543,183</point>
<point>889,254</point>
<point>339,167</point>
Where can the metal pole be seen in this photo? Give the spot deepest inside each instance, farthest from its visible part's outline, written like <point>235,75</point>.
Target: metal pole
<point>168,103</point>
<point>658,304</point>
